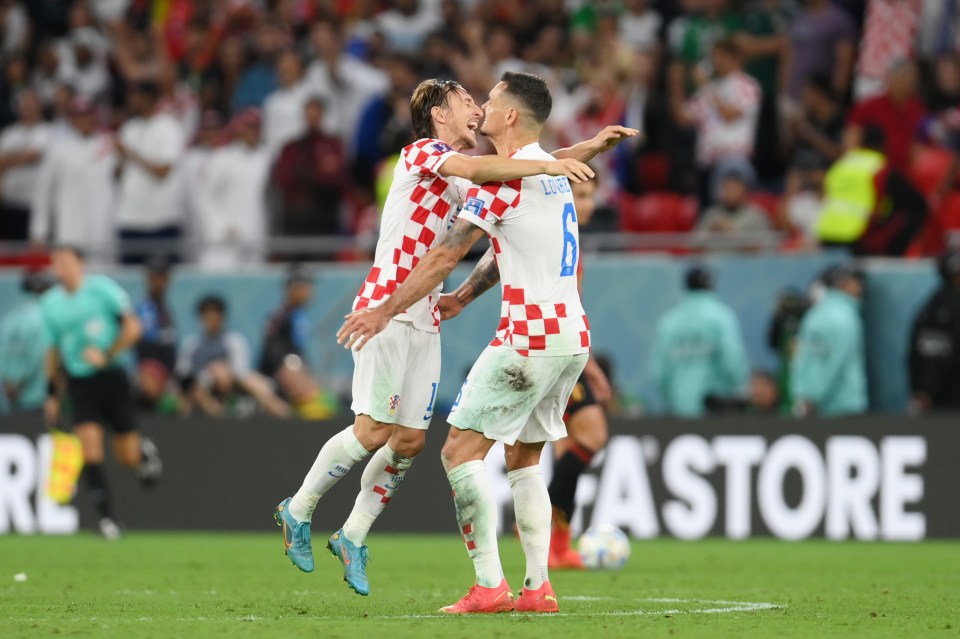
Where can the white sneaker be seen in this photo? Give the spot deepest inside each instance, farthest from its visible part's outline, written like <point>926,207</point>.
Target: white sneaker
<point>151,468</point>
<point>110,530</point>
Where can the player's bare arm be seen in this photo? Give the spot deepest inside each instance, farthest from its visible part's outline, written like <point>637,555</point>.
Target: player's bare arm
<point>130,331</point>
<point>485,276</point>
<point>605,140</point>
<point>360,326</point>
<point>492,168</point>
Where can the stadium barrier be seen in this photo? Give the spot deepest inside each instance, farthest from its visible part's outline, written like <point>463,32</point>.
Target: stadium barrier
<point>871,478</point>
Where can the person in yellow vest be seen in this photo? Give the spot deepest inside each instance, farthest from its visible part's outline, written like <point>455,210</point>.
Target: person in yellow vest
<point>869,207</point>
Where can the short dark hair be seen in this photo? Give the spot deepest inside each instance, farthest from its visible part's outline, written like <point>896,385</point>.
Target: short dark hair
<point>728,46</point>
<point>698,278</point>
<point>70,248</point>
<point>532,91</point>
<point>874,138</point>
<point>428,94</point>
<point>211,303</point>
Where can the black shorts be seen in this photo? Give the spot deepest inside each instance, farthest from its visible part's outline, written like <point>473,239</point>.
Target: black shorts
<point>103,398</point>
<point>580,398</point>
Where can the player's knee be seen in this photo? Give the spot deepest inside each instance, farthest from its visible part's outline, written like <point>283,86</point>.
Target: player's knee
<point>372,435</point>
<point>521,456</point>
<point>407,441</point>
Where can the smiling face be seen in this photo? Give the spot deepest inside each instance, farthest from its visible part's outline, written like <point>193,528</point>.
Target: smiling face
<point>457,121</point>
<point>495,111</point>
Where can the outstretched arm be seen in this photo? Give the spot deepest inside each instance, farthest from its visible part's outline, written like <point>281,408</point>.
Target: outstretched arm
<point>484,276</point>
<point>606,140</point>
<point>493,168</point>
<point>430,271</point>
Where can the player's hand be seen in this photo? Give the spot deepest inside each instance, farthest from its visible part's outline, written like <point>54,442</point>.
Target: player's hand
<point>611,136</point>
<point>573,170</point>
<point>51,411</point>
<point>361,326</point>
<point>450,306</point>
<point>599,384</point>
<point>95,357</point>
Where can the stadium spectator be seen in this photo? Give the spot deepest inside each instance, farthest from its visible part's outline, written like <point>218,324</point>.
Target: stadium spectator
<point>82,55</point>
<point>802,202</point>
<point>869,206</point>
<point>828,375</point>
<point>692,39</point>
<point>149,145</point>
<point>23,346</point>
<point>157,349</point>
<point>889,35</point>
<point>724,111</point>
<point>346,83</point>
<point>898,111</point>
<point>407,24</point>
<point>211,366</point>
<point>764,393</point>
<point>815,133</point>
<point>733,214</point>
<point>939,29</point>
<point>311,180</point>
<point>22,146</point>
<point>74,192</point>
<point>935,343</point>
<point>259,78</point>
<point>284,357</point>
<point>232,213</point>
<point>821,41</point>
<point>640,25</point>
<point>191,174</point>
<point>698,350</point>
<point>14,26</point>
<point>283,110</point>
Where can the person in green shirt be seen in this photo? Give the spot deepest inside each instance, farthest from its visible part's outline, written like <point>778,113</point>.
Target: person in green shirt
<point>698,350</point>
<point>89,322</point>
<point>829,371</point>
<point>22,348</point>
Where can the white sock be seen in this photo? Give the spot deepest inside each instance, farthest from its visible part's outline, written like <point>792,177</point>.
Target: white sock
<point>531,503</point>
<point>336,458</point>
<point>381,480</point>
<point>477,518</point>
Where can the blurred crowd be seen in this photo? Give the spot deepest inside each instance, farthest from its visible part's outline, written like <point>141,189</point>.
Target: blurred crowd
<point>204,128</point>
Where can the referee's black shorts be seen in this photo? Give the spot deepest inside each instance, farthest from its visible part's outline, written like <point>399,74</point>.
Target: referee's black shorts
<point>104,398</point>
<point>580,398</point>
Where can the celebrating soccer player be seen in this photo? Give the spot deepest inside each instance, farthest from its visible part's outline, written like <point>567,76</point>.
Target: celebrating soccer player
<point>395,380</point>
<point>517,390</point>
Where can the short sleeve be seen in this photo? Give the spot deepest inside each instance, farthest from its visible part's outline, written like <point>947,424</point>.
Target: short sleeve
<point>425,157</point>
<point>169,142</point>
<point>118,301</point>
<point>488,204</point>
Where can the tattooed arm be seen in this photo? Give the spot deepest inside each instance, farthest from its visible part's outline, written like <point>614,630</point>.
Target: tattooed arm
<point>426,275</point>
<point>484,277</point>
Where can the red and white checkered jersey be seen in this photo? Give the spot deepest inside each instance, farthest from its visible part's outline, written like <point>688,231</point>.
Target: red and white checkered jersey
<point>419,210</point>
<point>532,224</point>
<point>889,31</point>
<point>718,138</point>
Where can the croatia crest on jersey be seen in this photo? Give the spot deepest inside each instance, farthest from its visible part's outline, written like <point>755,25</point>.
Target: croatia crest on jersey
<point>393,405</point>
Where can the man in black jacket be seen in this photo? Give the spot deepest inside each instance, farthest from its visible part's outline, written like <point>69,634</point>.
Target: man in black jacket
<point>935,343</point>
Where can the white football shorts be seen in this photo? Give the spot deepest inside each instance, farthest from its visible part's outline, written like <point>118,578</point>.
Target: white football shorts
<point>510,398</point>
<point>395,376</point>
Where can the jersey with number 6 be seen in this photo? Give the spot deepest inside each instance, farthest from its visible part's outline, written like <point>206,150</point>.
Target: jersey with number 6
<point>532,225</point>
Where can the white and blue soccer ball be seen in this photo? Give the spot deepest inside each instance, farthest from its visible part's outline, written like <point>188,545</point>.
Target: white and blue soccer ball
<point>604,547</point>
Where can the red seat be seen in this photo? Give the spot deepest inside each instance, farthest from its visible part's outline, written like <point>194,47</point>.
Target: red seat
<point>658,213</point>
<point>653,171</point>
<point>930,167</point>
<point>770,203</point>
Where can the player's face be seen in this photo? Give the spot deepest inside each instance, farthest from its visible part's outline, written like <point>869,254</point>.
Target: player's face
<point>465,116</point>
<point>495,111</point>
<point>584,199</point>
<point>67,267</point>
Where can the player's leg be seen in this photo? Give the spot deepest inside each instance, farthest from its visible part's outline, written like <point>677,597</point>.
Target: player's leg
<point>90,435</point>
<point>531,499</point>
<point>131,449</point>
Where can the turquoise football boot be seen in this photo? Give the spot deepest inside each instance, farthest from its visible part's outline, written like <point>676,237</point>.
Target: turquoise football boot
<point>354,562</point>
<point>296,537</point>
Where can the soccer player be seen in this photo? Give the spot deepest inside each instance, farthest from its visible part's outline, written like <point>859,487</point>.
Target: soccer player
<point>395,381</point>
<point>91,322</point>
<point>517,390</point>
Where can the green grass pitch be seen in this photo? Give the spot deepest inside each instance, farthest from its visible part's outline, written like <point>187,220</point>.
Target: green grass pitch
<point>241,585</point>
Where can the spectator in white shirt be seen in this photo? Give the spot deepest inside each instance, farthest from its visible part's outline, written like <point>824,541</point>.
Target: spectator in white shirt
<point>82,56</point>
<point>639,26</point>
<point>283,110</point>
<point>191,173</point>
<point>232,214</point>
<point>724,111</point>
<point>407,25</point>
<point>346,84</point>
<point>149,145</point>
<point>22,146</point>
<point>72,202</point>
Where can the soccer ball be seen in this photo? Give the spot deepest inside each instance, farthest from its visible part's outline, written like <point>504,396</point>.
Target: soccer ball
<point>604,547</point>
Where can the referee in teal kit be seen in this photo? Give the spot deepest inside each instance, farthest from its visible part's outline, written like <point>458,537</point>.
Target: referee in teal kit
<point>90,321</point>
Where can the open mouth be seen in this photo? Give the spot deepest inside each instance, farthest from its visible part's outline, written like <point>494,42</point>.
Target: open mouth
<point>473,125</point>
